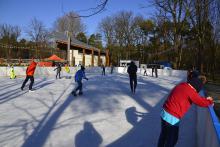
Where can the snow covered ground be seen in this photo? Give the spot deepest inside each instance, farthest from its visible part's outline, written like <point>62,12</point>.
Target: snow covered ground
<point>106,115</point>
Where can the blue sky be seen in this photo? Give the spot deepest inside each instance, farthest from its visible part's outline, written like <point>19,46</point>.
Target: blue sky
<point>20,12</point>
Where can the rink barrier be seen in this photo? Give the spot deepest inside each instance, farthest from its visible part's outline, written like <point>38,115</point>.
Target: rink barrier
<point>207,127</point>
<point>164,72</point>
<point>49,71</point>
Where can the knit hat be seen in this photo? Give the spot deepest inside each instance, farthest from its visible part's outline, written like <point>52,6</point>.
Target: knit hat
<point>82,67</point>
<point>196,83</point>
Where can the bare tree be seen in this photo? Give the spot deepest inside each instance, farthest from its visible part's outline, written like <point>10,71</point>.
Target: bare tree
<point>10,32</point>
<point>106,27</point>
<point>37,31</point>
<point>69,22</point>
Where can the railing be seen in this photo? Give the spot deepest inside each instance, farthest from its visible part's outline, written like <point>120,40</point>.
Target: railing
<point>208,127</point>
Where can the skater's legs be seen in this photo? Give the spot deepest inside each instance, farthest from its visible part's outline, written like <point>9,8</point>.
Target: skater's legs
<point>78,87</point>
<point>156,73</point>
<point>172,136</point>
<point>168,136</point>
<point>163,134</point>
<point>135,84</point>
<point>59,75</point>
<point>32,82</point>
<point>25,81</point>
<point>131,83</point>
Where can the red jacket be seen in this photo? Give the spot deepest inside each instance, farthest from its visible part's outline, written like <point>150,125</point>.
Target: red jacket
<point>31,68</point>
<point>181,98</point>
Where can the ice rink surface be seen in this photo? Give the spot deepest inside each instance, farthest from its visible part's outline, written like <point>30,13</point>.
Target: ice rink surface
<point>107,114</point>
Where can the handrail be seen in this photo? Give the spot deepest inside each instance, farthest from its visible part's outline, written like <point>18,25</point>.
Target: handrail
<point>214,117</point>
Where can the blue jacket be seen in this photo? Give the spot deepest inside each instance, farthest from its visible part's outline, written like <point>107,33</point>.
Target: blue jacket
<point>80,74</point>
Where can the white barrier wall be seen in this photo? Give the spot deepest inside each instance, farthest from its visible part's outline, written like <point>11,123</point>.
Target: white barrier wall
<point>39,72</point>
<point>49,71</point>
<point>164,72</point>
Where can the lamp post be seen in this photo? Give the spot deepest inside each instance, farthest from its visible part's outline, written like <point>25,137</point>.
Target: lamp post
<point>68,46</point>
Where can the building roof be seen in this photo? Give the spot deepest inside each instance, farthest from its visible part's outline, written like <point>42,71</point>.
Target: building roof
<point>74,42</point>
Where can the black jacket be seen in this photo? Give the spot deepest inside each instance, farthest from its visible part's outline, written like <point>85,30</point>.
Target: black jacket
<point>132,70</point>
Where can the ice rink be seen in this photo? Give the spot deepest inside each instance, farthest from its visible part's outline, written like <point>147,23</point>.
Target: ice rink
<point>107,114</point>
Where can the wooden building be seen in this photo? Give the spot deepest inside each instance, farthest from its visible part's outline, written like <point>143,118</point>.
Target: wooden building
<point>84,54</point>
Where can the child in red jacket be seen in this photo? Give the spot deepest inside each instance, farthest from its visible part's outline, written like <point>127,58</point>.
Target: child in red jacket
<point>30,75</point>
<point>177,104</point>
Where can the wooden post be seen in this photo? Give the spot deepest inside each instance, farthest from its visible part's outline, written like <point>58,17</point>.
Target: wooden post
<point>99,60</point>
<point>107,58</point>
<point>68,47</point>
<point>92,59</point>
<point>83,59</point>
<point>73,58</point>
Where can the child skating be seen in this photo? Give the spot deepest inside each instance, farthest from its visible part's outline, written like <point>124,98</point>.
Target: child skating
<point>58,68</point>
<point>80,74</point>
<point>12,73</point>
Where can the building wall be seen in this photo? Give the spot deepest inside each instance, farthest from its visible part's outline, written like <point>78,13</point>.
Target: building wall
<point>78,57</point>
<point>103,59</point>
<point>95,60</point>
<point>88,58</point>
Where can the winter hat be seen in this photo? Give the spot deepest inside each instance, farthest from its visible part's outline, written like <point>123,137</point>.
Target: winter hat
<point>196,83</point>
<point>195,74</point>
<point>82,67</point>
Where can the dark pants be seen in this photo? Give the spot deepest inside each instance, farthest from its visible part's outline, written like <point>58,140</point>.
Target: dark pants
<point>78,87</point>
<point>156,73</point>
<point>58,74</point>
<point>103,72</point>
<point>25,81</point>
<point>168,135</point>
<point>133,83</point>
<point>145,73</point>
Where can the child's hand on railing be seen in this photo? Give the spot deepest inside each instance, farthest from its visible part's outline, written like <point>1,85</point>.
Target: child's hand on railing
<point>210,98</point>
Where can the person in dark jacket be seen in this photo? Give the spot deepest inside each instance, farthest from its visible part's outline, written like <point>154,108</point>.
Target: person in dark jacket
<point>155,70</point>
<point>103,70</point>
<point>30,75</point>
<point>132,70</point>
<point>58,68</point>
<point>152,70</point>
<point>80,74</point>
<point>112,68</point>
<point>145,71</point>
<point>175,107</point>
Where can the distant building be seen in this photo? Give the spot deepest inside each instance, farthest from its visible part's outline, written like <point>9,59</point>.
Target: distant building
<point>84,54</point>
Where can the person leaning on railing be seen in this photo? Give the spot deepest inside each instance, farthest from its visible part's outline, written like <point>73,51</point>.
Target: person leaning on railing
<point>177,104</point>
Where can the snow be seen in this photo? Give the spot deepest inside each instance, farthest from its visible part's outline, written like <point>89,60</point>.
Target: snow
<point>107,114</point>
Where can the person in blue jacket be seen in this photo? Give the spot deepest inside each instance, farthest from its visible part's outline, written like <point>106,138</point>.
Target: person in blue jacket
<point>80,74</point>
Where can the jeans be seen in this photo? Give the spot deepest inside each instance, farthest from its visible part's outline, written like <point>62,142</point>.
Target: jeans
<point>168,135</point>
<point>25,81</point>
<point>78,87</point>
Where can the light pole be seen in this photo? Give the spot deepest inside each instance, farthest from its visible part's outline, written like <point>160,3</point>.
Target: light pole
<point>68,46</point>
